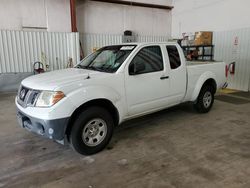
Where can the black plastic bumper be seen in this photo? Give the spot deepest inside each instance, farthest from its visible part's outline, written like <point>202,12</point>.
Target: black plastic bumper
<point>53,129</point>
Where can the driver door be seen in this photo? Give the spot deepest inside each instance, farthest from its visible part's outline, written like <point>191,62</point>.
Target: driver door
<point>147,81</point>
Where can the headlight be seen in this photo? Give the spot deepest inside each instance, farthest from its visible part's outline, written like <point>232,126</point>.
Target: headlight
<point>49,98</point>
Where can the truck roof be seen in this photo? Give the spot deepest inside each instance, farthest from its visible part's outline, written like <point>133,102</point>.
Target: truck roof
<point>145,43</point>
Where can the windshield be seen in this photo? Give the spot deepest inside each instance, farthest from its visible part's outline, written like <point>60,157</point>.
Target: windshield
<point>107,59</point>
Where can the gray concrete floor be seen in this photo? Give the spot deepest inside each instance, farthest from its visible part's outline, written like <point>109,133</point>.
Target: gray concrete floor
<point>173,148</point>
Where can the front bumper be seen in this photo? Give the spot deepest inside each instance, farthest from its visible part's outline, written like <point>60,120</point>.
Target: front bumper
<point>52,129</point>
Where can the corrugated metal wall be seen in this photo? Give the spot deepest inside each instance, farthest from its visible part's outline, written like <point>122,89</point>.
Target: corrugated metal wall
<point>233,46</point>
<point>92,41</point>
<point>20,49</point>
<point>152,38</point>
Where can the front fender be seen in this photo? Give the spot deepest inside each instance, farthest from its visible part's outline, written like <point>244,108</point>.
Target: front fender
<point>83,95</point>
<point>201,80</point>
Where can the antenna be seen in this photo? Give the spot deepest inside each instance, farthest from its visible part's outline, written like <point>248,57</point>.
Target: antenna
<point>88,77</point>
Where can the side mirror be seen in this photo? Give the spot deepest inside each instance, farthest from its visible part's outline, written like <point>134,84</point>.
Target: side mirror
<point>136,68</point>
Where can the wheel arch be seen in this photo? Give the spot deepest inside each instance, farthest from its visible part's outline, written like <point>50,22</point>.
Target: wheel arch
<point>101,102</point>
<point>206,79</point>
<point>212,83</point>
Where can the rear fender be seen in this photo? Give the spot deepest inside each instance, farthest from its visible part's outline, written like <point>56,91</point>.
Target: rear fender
<point>202,79</point>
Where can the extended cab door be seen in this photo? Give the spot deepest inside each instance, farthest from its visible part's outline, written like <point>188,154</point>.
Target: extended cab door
<point>177,73</point>
<point>147,80</point>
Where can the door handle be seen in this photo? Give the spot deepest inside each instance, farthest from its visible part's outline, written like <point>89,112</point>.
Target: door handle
<point>164,77</point>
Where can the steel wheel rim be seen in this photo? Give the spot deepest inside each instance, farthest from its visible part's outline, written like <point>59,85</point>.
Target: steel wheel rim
<point>94,132</point>
<point>207,99</point>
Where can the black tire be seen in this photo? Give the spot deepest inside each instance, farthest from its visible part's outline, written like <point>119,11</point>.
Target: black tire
<point>200,105</point>
<point>81,124</point>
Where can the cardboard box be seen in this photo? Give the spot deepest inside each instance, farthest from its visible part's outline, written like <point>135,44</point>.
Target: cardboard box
<point>203,38</point>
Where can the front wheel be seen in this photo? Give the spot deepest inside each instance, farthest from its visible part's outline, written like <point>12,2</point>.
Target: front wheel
<point>205,99</point>
<point>92,131</point>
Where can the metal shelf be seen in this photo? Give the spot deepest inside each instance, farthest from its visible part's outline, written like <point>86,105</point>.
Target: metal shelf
<point>202,49</point>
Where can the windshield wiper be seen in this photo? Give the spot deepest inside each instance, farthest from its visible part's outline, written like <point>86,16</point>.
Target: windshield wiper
<point>94,68</point>
<point>101,69</point>
<point>80,66</point>
<point>87,67</point>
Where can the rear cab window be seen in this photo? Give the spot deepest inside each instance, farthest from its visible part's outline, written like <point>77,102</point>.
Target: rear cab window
<point>174,56</point>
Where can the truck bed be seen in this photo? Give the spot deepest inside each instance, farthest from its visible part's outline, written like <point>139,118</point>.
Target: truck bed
<point>191,63</point>
<point>196,69</point>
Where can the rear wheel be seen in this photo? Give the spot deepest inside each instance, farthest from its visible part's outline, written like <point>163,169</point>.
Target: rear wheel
<point>92,131</point>
<point>205,99</point>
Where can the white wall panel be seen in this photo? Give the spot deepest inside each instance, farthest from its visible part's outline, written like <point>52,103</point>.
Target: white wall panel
<point>20,49</point>
<point>92,41</point>
<point>152,38</point>
<point>47,15</point>
<point>109,18</point>
<point>226,50</point>
<point>209,15</point>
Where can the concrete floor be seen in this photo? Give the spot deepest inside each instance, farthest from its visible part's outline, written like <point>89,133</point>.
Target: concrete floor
<point>172,148</point>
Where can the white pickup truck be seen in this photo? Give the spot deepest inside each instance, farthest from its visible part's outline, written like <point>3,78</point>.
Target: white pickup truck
<point>82,105</point>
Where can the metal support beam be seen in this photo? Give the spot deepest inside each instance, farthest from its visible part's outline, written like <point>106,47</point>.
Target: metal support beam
<point>73,15</point>
<point>147,5</point>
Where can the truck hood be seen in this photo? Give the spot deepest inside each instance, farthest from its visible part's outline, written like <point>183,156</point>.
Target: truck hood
<point>59,78</point>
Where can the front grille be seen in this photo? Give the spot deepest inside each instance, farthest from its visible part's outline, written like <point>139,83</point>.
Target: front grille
<point>27,97</point>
